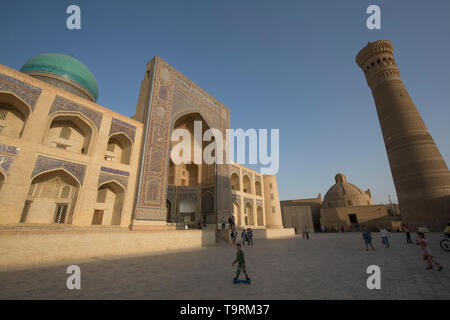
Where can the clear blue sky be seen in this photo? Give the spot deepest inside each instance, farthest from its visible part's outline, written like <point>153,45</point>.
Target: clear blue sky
<point>275,64</point>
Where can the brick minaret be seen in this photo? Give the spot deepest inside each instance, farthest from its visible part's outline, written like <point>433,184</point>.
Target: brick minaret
<point>421,177</point>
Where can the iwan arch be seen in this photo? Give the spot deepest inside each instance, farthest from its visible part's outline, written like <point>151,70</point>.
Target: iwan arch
<point>66,161</point>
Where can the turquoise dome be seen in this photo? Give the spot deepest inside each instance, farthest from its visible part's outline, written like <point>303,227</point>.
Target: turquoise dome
<point>63,68</point>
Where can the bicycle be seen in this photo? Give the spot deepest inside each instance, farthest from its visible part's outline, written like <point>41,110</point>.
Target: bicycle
<point>445,244</point>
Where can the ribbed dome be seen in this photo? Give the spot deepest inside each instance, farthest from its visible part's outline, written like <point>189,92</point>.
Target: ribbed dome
<point>345,194</point>
<point>65,72</point>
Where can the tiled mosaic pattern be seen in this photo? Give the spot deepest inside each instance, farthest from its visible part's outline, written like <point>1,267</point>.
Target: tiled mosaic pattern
<point>248,200</point>
<point>105,177</point>
<point>6,162</point>
<point>173,95</point>
<point>62,104</point>
<point>44,164</point>
<point>26,92</point>
<point>8,149</point>
<point>114,171</point>
<point>7,157</point>
<point>119,126</point>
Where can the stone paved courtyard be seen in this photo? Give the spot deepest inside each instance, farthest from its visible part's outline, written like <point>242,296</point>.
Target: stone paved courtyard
<point>329,266</point>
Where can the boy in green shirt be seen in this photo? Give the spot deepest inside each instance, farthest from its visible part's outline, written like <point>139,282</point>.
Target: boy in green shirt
<point>241,263</point>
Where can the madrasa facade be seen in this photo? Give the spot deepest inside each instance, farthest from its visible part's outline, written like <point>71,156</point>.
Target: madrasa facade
<point>66,160</point>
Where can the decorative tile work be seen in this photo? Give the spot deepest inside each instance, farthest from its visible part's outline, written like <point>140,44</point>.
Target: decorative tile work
<point>172,95</point>
<point>62,104</point>
<point>44,164</point>
<point>121,126</point>
<point>188,193</point>
<point>236,198</point>
<point>247,200</point>
<point>114,171</point>
<point>8,149</point>
<point>259,202</point>
<point>104,177</point>
<point>26,92</point>
<point>235,169</point>
<point>6,162</point>
<point>171,193</point>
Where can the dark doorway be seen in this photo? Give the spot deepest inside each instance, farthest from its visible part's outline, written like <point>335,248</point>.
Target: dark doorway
<point>353,219</point>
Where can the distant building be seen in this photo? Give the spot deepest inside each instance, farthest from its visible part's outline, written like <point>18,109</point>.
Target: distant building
<point>346,205</point>
<point>301,213</point>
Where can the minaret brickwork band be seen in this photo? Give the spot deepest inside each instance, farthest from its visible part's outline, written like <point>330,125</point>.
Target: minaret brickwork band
<point>420,174</point>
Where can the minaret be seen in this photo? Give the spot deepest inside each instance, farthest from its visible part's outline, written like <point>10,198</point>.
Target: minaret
<point>421,177</point>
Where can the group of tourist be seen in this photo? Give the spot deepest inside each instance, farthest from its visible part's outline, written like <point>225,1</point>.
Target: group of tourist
<point>246,235</point>
<point>421,241</point>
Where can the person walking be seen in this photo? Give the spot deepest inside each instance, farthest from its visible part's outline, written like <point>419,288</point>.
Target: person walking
<point>342,228</point>
<point>385,236</point>
<point>367,238</point>
<point>230,222</point>
<point>408,235</point>
<point>244,236</point>
<point>233,236</point>
<point>250,236</point>
<point>240,259</point>
<point>306,233</point>
<point>426,252</point>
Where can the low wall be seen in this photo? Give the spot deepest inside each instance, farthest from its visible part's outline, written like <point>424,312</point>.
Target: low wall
<point>22,248</point>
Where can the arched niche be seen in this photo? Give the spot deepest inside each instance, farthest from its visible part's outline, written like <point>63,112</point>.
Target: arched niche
<point>51,198</point>
<point>119,149</point>
<point>248,213</point>
<point>260,216</point>
<point>237,213</point>
<point>247,184</point>
<point>109,204</point>
<point>258,188</point>
<point>235,185</point>
<point>14,114</point>
<point>71,132</point>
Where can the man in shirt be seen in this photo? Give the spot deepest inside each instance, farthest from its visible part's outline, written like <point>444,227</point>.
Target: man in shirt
<point>241,263</point>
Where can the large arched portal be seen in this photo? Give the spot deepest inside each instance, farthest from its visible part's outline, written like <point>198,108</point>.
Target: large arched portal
<point>188,177</point>
<point>51,198</point>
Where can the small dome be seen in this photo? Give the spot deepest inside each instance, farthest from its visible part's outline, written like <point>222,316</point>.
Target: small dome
<point>65,72</point>
<point>345,194</point>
